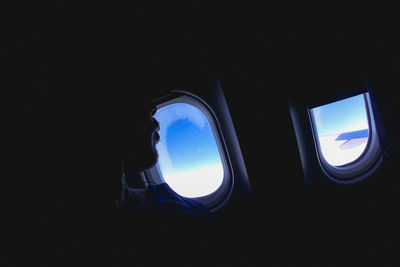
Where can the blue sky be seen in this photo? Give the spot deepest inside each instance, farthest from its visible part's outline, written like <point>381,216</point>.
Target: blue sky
<point>191,146</point>
<point>341,116</point>
<point>186,138</point>
<point>189,159</point>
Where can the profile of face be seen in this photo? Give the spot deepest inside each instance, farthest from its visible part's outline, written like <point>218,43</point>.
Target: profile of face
<point>141,152</point>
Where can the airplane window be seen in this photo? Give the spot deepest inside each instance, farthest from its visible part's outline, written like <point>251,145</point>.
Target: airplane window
<point>342,128</point>
<point>189,159</point>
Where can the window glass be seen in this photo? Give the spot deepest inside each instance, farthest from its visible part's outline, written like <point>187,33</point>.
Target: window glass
<point>189,159</point>
<point>342,129</point>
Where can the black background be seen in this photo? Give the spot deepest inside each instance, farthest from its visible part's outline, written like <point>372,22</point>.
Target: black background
<point>59,63</point>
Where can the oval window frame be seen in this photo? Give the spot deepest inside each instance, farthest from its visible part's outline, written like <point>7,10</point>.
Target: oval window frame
<point>362,167</point>
<point>219,197</point>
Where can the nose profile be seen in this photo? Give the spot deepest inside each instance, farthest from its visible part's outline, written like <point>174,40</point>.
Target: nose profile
<point>156,125</point>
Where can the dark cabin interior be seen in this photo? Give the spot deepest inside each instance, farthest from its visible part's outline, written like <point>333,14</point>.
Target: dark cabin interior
<point>58,62</point>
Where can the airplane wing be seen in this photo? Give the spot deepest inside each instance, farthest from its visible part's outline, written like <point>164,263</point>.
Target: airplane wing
<point>353,138</point>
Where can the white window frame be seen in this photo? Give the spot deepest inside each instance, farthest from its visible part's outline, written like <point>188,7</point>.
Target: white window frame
<point>218,198</point>
<point>365,165</point>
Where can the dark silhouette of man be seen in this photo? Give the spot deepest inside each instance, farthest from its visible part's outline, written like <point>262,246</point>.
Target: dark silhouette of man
<point>152,197</point>
<point>152,214</point>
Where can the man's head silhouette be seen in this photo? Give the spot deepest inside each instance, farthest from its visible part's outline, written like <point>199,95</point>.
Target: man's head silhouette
<point>139,139</point>
<point>117,133</point>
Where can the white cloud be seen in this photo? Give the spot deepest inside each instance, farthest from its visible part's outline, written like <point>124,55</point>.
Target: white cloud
<point>335,155</point>
<point>196,182</point>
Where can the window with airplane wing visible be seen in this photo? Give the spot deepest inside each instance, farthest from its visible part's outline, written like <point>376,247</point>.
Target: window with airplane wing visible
<point>342,129</point>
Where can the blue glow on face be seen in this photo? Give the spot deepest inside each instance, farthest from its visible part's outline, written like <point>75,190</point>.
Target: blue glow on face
<point>189,158</point>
